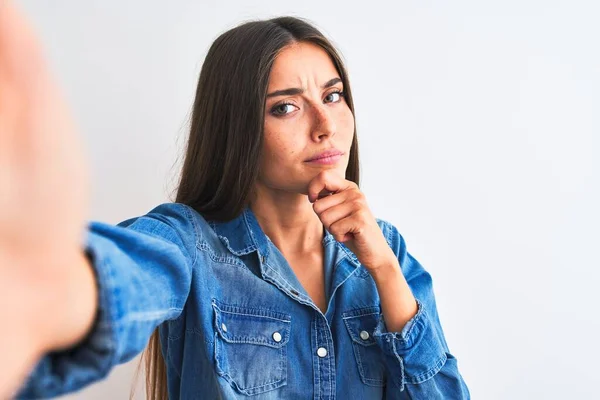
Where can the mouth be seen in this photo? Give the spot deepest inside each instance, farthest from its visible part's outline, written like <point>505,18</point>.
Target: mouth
<point>326,157</point>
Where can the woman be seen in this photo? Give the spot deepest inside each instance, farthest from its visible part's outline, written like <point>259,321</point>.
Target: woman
<point>268,277</point>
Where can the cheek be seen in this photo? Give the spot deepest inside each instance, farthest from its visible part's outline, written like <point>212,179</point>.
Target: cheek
<point>278,147</point>
<point>346,124</point>
<point>278,153</point>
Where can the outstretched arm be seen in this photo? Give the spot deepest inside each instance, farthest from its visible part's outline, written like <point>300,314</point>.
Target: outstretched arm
<point>43,206</point>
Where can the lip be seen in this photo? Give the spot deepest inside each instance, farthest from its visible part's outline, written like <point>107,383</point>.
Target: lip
<point>327,157</point>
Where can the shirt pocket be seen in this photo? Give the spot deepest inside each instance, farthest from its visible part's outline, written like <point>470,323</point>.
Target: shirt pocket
<point>361,324</point>
<point>250,347</point>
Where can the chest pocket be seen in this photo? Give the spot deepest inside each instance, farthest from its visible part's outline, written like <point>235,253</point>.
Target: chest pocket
<point>250,347</point>
<point>369,358</point>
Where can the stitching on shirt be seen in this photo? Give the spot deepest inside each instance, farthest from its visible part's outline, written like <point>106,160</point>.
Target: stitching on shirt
<point>359,271</point>
<point>430,373</point>
<point>330,359</point>
<point>254,389</point>
<point>401,362</point>
<point>263,313</point>
<point>243,251</point>
<point>359,312</point>
<point>418,320</point>
<point>108,306</point>
<point>252,311</point>
<point>252,235</point>
<point>191,218</point>
<point>219,258</point>
<point>388,233</point>
<point>274,383</point>
<point>224,239</point>
<point>288,286</point>
<point>349,253</point>
<point>356,339</point>
<point>318,377</point>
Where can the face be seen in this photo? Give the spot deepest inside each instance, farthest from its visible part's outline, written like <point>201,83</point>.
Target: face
<point>305,115</point>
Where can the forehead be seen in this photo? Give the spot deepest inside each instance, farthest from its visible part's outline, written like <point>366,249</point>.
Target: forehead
<point>301,64</point>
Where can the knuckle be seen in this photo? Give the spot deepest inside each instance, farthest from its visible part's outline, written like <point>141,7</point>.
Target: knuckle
<point>358,204</point>
<point>333,229</point>
<point>317,207</point>
<point>326,220</point>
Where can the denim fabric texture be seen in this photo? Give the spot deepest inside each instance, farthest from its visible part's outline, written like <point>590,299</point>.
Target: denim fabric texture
<point>235,322</point>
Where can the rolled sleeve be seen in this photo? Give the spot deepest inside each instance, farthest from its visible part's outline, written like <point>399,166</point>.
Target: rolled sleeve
<point>413,355</point>
<point>417,358</point>
<point>143,273</point>
<point>90,360</point>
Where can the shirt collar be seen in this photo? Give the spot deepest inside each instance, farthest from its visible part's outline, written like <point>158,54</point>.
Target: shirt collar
<point>243,235</point>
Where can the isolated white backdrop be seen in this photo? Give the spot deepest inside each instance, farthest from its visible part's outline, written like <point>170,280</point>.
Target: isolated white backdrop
<point>479,131</point>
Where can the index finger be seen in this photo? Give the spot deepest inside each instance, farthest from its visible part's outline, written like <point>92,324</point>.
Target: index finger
<point>327,182</point>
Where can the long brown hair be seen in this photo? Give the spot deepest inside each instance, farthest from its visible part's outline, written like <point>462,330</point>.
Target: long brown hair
<point>224,147</point>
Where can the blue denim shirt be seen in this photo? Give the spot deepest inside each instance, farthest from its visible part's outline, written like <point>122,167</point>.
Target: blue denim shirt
<point>236,323</point>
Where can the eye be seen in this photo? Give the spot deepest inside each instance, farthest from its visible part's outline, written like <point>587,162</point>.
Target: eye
<point>334,97</point>
<point>282,109</point>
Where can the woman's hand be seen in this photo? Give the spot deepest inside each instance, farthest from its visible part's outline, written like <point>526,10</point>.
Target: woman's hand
<point>43,209</point>
<point>43,174</point>
<point>346,215</point>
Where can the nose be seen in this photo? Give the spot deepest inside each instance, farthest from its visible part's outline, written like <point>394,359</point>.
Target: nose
<point>323,123</point>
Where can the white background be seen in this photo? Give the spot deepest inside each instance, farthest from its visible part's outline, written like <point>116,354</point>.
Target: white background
<point>480,136</point>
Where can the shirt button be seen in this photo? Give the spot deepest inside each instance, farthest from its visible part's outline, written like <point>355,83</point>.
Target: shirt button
<point>277,337</point>
<point>364,335</point>
<point>224,327</point>
<point>322,352</point>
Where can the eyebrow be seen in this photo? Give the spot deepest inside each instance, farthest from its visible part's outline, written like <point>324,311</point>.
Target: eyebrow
<point>297,91</point>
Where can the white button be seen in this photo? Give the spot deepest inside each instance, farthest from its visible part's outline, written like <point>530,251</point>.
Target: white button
<point>364,335</point>
<point>277,337</point>
<point>224,327</point>
<point>322,352</point>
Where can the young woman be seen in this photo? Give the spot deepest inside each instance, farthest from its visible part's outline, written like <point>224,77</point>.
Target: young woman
<point>267,278</point>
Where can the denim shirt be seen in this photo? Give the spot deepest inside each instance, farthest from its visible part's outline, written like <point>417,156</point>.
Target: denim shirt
<point>235,322</point>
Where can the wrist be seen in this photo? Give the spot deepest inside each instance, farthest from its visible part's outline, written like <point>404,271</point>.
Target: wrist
<point>51,299</point>
<point>385,270</point>
<point>75,294</point>
<point>398,304</point>
<point>22,305</point>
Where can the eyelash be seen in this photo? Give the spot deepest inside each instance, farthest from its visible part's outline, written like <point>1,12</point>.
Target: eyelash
<point>285,103</point>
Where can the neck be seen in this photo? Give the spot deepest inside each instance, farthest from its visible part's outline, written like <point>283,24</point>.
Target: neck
<point>289,220</point>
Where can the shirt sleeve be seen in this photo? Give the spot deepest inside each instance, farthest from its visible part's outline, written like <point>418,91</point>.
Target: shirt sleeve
<point>143,269</point>
<point>417,359</point>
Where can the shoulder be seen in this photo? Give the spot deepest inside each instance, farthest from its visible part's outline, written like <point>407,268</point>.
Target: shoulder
<point>411,268</point>
<point>392,235</point>
<point>169,220</point>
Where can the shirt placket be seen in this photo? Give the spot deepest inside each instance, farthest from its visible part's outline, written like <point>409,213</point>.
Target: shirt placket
<point>323,357</point>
